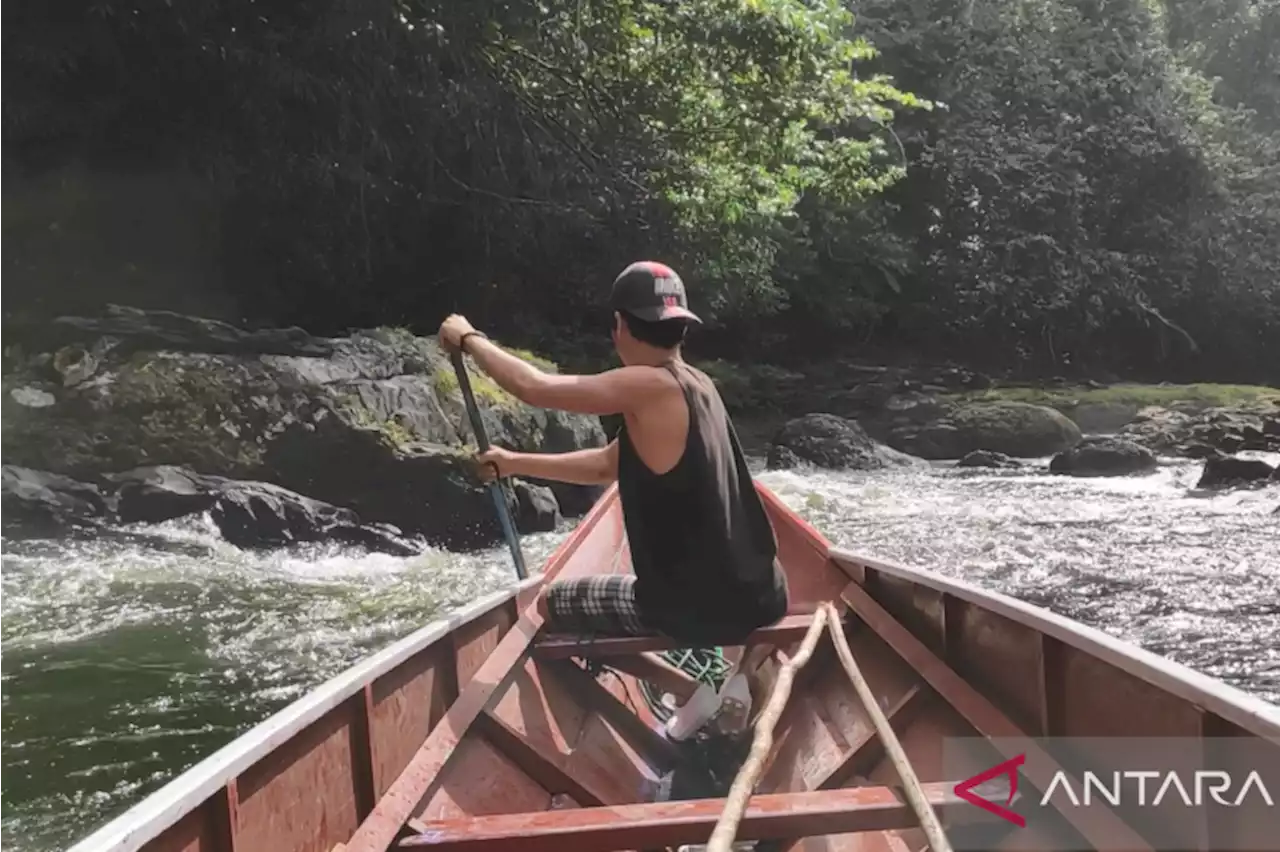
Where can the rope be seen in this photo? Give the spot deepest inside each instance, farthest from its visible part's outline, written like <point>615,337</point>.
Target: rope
<point>726,828</point>
<point>705,665</point>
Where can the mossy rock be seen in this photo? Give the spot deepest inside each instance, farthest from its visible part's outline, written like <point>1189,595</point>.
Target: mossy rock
<point>1016,429</point>
<point>1107,408</point>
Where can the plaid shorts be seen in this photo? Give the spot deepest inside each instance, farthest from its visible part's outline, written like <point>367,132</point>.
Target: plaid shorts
<point>595,606</point>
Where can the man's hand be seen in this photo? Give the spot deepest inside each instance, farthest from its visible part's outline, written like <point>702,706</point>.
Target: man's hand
<point>453,329</point>
<point>494,462</point>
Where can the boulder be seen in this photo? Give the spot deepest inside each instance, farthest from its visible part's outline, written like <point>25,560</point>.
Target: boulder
<point>536,508</point>
<point>832,442</point>
<point>988,458</point>
<point>248,514</point>
<point>259,514</point>
<point>1226,471</point>
<point>34,500</point>
<point>1104,456</point>
<point>1015,429</point>
<point>1199,434</point>
<point>374,421</point>
<point>162,492</point>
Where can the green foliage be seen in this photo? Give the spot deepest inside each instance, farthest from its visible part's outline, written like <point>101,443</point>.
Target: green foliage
<point>382,160</point>
<point>1073,185</point>
<point>754,388</point>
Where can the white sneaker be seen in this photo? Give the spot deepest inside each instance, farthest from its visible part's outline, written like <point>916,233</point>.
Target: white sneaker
<point>735,705</point>
<point>697,711</point>
<point>730,709</point>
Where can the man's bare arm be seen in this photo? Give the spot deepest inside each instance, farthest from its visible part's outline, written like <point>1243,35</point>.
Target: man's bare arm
<point>613,392</point>
<point>596,466</point>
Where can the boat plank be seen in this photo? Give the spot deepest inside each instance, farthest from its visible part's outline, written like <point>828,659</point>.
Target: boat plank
<point>476,640</point>
<point>1100,827</point>
<point>655,670</point>
<point>547,770</point>
<point>826,718</point>
<point>868,749</point>
<point>672,823</point>
<point>1260,717</point>
<point>195,832</point>
<point>931,722</point>
<point>790,629</point>
<point>407,792</point>
<point>538,709</point>
<point>1117,704</point>
<point>779,770</point>
<point>1000,656</point>
<point>407,703</point>
<point>482,779</point>
<point>314,772</point>
<point>655,749</point>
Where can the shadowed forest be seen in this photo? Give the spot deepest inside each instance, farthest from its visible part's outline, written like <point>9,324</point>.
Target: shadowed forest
<point>1061,186</point>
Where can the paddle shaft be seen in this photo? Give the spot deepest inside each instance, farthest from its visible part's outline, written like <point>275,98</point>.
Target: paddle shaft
<point>495,487</point>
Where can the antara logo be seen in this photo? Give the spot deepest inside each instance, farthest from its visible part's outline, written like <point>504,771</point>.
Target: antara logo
<point>965,790</point>
<point>1131,787</point>
<point>1191,789</point>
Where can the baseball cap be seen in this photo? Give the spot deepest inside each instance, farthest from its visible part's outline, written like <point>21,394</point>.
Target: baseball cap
<point>651,291</point>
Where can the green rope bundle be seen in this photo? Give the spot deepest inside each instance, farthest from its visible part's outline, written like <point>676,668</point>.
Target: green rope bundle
<point>705,665</point>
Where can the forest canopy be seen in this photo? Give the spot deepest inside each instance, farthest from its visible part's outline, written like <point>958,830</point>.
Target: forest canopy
<point>1066,185</point>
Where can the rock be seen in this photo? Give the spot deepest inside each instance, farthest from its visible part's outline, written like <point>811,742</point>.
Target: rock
<point>1224,471</point>
<point>1254,426</point>
<point>248,514</point>
<point>1014,428</point>
<point>1197,450</point>
<point>162,492</point>
<point>988,458</point>
<point>259,514</point>
<point>40,501</point>
<point>537,509</point>
<point>832,442</point>
<point>1104,456</point>
<point>373,421</point>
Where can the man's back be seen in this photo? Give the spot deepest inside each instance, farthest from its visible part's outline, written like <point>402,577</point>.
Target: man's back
<point>702,547</point>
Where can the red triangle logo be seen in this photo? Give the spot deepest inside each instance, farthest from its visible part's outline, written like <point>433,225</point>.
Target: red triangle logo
<point>1010,768</point>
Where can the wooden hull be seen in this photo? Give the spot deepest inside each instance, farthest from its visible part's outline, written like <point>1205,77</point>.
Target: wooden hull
<point>476,732</point>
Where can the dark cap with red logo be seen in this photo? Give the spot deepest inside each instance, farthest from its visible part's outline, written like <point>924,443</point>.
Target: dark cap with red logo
<point>651,291</point>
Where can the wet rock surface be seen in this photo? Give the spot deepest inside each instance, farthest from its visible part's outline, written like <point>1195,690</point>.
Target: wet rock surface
<point>1201,434</point>
<point>988,458</point>
<point>1104,456</point>
<point>248,514</point>
<point>1230,471</point>
<point>832,442</point>
<point>373,422</point>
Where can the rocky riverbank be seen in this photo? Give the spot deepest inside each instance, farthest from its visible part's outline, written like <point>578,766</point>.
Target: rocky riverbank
<point>944,413</point>
<point>282,437</point>
<point>371,428</point>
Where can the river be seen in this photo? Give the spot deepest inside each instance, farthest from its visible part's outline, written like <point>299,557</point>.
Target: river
<point>127,659</point>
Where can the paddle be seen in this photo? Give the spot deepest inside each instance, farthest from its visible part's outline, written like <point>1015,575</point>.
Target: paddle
<point>495,487</point>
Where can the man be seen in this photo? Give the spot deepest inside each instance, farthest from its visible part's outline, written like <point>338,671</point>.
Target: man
<point>702,548</point>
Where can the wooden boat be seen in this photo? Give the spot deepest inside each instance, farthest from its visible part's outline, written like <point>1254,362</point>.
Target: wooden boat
<point>480,733</point>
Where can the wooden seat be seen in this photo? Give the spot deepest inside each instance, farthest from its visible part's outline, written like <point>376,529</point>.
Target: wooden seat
<point>670,824</point>
<point>790,629</point>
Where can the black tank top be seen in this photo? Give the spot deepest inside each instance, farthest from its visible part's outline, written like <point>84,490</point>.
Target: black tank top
<point>702,548</point>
